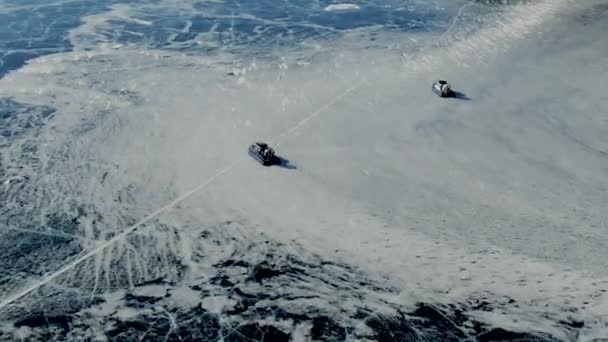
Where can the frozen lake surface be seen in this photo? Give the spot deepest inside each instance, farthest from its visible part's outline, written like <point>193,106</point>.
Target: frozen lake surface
<point>130,210</point>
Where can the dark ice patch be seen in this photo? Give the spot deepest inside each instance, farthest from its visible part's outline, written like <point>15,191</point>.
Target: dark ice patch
<point>430,323</point>
<point>502,2</point>
<point>232,263</point>
<point>222,280</point>
<point>14,60</point>
<point>264,270</point>
<point>284,315</point>
<point>128,330</point>
<point>23,255</point>
<point>246,301</point>
<point>499,334</point>
<point>434,322</point>
<point>392,329</point>
<point>326,329</point>
<point>285,291</point>
<point>140,301</point>
<point>258,27</point>
<point>194,325</point>
<point>44,321</point>
<point>18,118</point>
<point>256,332</point>
<point>63,222</point>
<point>156,281</point>
<point>28,33</point>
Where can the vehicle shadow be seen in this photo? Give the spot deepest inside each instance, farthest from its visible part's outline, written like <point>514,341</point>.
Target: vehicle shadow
<point>460,96</point>
<point>284,163</point>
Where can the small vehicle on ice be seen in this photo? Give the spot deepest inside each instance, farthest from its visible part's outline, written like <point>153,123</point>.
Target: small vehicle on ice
<point>261,152</point>
<point>443,89</point>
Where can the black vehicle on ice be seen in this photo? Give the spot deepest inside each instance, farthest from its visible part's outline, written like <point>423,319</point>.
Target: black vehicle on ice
<point>261,152</point>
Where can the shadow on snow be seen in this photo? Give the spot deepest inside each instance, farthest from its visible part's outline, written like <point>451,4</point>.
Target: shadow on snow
<point>284,163</point>
<point>460,96</point>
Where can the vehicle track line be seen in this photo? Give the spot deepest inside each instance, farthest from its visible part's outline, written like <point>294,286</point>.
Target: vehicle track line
<point>71,265</point>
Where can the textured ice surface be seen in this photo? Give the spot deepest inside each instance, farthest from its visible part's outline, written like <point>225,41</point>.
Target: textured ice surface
<point>398,215</point>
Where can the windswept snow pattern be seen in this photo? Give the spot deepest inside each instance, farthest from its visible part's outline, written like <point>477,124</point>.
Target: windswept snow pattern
<point>130,211</point>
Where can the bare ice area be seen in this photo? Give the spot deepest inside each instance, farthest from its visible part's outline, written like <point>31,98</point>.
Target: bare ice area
<point>130,210</point>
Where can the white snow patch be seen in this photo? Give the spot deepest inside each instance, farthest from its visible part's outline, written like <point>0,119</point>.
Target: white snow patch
<point>185,297</point>
<point>150,291</point>
<point>218,304</point>
<point>127,313</point>
<point>342,7</point>
<point>301,333</point>
<point>23,333</point>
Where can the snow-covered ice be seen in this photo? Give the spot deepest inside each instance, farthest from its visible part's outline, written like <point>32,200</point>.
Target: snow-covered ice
<point>129,208</point>
<point>342,7</point>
